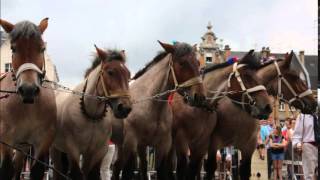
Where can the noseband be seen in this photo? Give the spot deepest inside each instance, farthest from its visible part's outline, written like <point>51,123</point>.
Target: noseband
<point>246,92</point>
<point>31,66</point>
<point>296,96</point>
<point>113,95</point>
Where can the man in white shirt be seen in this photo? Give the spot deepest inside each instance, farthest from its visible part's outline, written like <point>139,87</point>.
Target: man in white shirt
<point>304,140</point>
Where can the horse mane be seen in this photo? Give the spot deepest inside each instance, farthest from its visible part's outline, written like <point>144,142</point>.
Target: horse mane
<point>250,59</point>
<point>181,49</point>
<point>25,29</point>
<point>270,62</point>
<point>155,60</point>
<point>113,55</point>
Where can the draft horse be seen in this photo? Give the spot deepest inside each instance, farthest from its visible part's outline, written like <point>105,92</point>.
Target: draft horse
<point>84,123</point>
<point>29,116</point>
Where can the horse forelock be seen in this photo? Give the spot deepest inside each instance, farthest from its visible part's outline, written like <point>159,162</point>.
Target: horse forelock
<point>25,29</point>
<point>113,55</point>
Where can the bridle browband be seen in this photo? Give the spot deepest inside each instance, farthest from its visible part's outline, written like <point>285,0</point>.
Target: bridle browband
<point>296,96</point>
<point>246,92</point>
<point>107,95</point>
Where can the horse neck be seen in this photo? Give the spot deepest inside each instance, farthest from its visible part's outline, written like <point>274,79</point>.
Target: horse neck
<point>93,105</point>
<point>154,81</point>
<point>231,118</point>
<point>216,80</point>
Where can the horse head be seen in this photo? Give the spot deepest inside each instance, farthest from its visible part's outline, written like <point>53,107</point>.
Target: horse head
<point>28,60</point>
<point>184,68</point>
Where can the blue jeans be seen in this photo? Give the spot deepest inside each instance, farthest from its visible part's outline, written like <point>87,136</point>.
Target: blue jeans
<point>277,156</point>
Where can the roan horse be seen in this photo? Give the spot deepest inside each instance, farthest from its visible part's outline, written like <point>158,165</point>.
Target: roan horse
<point>192,127</point>
<point>30,116</point>
<point>150,121</point>
<point>239,129</point>
<point>84,124</point>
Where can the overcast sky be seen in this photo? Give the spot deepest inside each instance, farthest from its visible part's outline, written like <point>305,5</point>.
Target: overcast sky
<point>135,25</point>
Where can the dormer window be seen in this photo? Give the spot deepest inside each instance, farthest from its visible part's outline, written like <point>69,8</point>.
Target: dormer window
<point>7,67</point>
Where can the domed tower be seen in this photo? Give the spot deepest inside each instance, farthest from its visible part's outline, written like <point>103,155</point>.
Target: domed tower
<point>209,51</point>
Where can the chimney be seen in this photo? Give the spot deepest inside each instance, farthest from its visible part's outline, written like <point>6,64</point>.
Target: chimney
<point>227,52</point>
<point>301,56</point>
<point>267,51</point>
<point>264,53</point>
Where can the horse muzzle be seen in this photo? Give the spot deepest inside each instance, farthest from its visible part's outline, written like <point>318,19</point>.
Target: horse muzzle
<point>261,112</point>
<point>28,92</point>
<point>121,110</point>
<point>309,107</point>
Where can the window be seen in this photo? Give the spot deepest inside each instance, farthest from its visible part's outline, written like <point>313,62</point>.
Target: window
<point>208,59</point>
<point>7,67</point>
<point>281,106</point>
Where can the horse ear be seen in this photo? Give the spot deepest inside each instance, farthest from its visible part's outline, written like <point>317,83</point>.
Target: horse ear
<point>288,59</point>
<point>167,47</point>
<point>249,54</point>
<point>8,27</point>
<point>101,53</point>
<point>123,54</point>
<point>43,25</point>
<point>194,47</point>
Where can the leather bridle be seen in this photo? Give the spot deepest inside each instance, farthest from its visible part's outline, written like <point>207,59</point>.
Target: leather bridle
<point>31,66</point>
<point>190,82</point>
<point>107,96</point>
<point>296,96</point>
<point>245,91</point>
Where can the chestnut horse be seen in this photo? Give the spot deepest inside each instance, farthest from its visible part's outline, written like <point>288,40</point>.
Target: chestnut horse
<point>192,127</point>
<point>84,123</point>
<point>149,123</point>
<point>28,117</point>
<point>236,128</point>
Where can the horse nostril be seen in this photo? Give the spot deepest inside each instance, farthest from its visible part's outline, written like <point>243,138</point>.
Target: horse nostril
<point>268,108</point>
<point>37,90</point>
<point>122,109</point>
<point>128,110</point>
<point>28,90</point>
<point>20,90</point>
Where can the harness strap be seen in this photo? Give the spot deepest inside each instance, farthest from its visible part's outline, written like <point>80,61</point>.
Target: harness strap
<point>176,84</point>
<point>247,92</point>
<point>285,81</point>
<point>112,95</point>
<point>191,82</point>
<point>27,66</point>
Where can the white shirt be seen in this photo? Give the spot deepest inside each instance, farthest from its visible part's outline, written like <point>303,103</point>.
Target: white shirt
<point>303,131</point>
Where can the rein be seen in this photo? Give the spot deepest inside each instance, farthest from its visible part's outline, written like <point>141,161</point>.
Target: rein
<point>296,96</point>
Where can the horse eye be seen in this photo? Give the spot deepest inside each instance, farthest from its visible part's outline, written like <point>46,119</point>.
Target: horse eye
<point>13,49</point>
<point>43,49</point>
<point>183,63</point>
<point>110,73</point>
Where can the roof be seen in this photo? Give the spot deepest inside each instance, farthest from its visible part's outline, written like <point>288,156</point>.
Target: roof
<point>310,62</point>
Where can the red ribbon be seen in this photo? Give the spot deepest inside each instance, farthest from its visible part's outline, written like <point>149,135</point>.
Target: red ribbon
<point>170,98</point>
